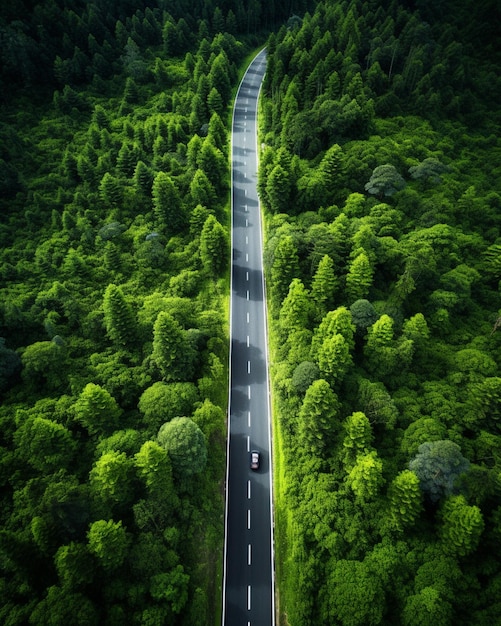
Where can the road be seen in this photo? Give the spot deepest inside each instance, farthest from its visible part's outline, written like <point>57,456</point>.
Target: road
<point>248,580</point>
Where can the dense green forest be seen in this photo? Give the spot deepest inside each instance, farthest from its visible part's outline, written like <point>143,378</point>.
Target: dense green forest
<point>380,176</point>
<point>114,236</point>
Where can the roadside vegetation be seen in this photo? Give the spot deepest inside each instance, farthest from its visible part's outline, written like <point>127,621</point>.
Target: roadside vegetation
<point>114,203</point>
<point>379,175</point>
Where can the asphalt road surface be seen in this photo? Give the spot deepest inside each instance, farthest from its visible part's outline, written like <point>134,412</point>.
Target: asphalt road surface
<point>248,589</point>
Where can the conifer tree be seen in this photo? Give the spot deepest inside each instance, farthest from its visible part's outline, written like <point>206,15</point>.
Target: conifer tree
<point>167,205</point>
<point>213,247</point>
<point>119,318</point>
<point>168,347</point>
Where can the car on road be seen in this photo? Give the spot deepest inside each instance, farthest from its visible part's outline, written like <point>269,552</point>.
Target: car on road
<point>254,460</point>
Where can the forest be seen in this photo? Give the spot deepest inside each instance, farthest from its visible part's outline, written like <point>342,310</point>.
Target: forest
<point>381,183</point>
<point>114,281</point>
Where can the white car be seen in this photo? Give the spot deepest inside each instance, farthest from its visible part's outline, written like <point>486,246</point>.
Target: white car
<point>254,460</point>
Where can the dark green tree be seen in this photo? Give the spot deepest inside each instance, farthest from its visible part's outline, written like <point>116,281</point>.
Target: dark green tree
<point>118,317</point>
<point>185,444</point>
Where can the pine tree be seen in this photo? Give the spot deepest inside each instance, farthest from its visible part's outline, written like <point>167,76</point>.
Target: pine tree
<point>323,286</point>
<point>359,277</point>
<point>213,247</point>
<point>167,204</point>
<point>168,347</point>
<point>118,317</point>
<point>285,268</point>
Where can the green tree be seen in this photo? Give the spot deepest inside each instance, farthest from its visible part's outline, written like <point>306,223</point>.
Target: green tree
<point>385,181</point>
<point>295,309</point>
<point>44,444</point>
<point>425,608</point>
<point>202,191</point>
<point>167,204</point>
<point>61,606</point>
<point>285,267</point>
<point>359,277</point>
<point>438,465</point>
<point>109,543</point>
<point>462,526</point>
<point>96,410</point>
<point>185,444</point>
<point>317,419</point>
<point>324,285</point>
<point>334,358</point>
<point>169,347</point>
<point>44,364</point>
<point>358,438</point>
<point>365,478</point>
<point>353,595</point>
<point>154,468</point>
<point>363,314</point>
<point>163,401</point>
<point>75,565</point>
<point>278,190</point>
<point>304,375</point>
<point>171,587</point>
<point>405,500</point>
<point>110,482</point>
<point>213,247</point>
<point>119,317</point>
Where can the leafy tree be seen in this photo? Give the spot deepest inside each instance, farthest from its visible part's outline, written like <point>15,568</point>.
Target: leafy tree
<point>45,444</point>
<point>353,595</point>
<point>358,437</point>
<point>171,587</point>
<point>324,285</point>
<point>96,410</point>
<point>334,358</point>
<point>363,314</point>
<point>118,317</point>
<point>304,375</point>
<point>405,500</point>
<point>163,401</point>
<point>462,526</point>
<point>202,191</point>
<point>426,607</point>
<point>295,309</point>
<point>285,267</point>
<point>62,606</point>
<point>44,364</point>
<point>278,190</point>
<point>109,543</point>
<point>213,247</point>
<point>429,169</point>
<point>167,204</point>
<point>365,478</point>
<point>75,565</point>
<point>168,347</point>
<point>154,468</point>
<point>377,404</point>
<point>385,181</point>
<point>359,277</point>
<point>317,415</point>
<point>337,322</point>
<point>185,443</point>
<point>110,482</point>
<point>425,429</point>
<point>438,465</point>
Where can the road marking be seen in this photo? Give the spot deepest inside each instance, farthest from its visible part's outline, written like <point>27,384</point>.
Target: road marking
<point>247,317</point>
<point>248,490</point>
<point>248,341</point>
<point>245,192</point>
<point>246,240</point>
<point>245,174</point>
<point>246,109</point>
<point>246,222</point>
<point>248,445</point>
<point>245,162</point>
<point>248,395</point>
<point>246,208</point>
<point>247,294</point>
<point>248,367</point>
<point>248,416</point>
<point>245,123</point>
<point>245,138</point>
<point>248,597</point>
<point>247,276</point>
<point>246,257</point>
<point>249,554</point>
<point>248,519</point>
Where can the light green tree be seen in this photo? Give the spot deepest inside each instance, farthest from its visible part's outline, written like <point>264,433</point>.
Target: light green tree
<point>278,190</point>
<point>358,437</point>
<point>168,347</point>
<point>334,358</point>
<point>109,543</point>
<point>111,482</point>
<point>285,267</point>
<point>96,410</point>
<point>119,318</point>
<point>317,418</point>
<point>44,444</point>
<point>167,204</point>
<point>213,247</point>
<point>185,444</point>
<point>405,500</point>
<point>359,277</point>
<point>163,401</point>
<point>462,526</point>
<point>324,285</point>
<point>365,478</point>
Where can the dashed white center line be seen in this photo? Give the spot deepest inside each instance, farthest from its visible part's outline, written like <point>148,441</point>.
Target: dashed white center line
<point>249,554</point>
<point>248,519</point>
<point>249,415</point>
<point>249,598</point>
<point>248,367</point>
<point>248,395</point>
<point>246,240</point>
<point>246,208</point>
<point>248,490</point>
<point>248,445</point>
<point>246,257</point>
<point>248,341</point>
<point>248,317</point>
<point>245,192</point>
<point>247,294</point>
<point>246,222</point>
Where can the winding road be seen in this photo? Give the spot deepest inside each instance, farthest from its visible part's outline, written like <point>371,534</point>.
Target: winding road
<point>248,578</point>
